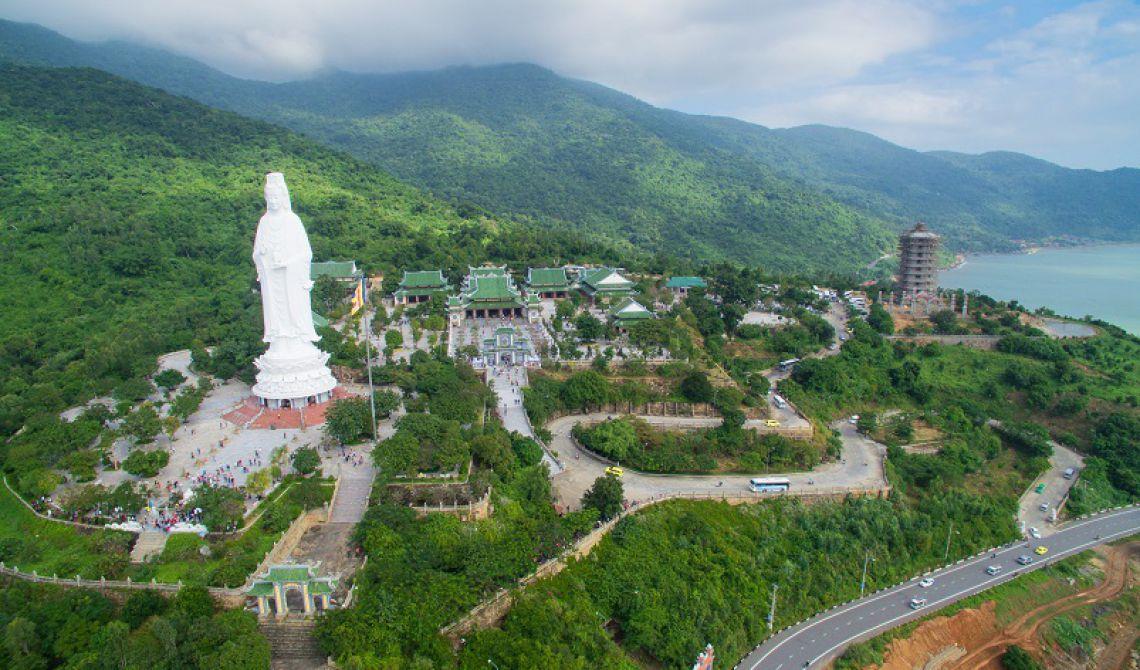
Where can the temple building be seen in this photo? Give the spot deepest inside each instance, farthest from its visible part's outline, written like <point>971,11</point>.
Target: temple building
<point>548,282</point>
<point>508,346</point>
<point>489,292</point>
<point>680,286</point>
<point>420,286</point>
<point>604,283</point>
<point>285,589</point>
<point>918,262</point>
<point>629,312</point>
<point>345,271</point>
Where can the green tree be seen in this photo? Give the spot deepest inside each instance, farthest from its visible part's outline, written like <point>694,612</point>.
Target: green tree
<point>695,387</point>
<point>605,496</point>
<point>588,326</point>
<point>143,424</point>
<point>306,460</point>
<point>169,379</point>
<point>584,388</point>
<point>1016,658</point>
<point>349,420</point>
<point>880,319</point>
<point>393,340</point>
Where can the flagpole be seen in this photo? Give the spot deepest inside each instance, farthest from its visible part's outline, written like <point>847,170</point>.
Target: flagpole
<point>368,355</point>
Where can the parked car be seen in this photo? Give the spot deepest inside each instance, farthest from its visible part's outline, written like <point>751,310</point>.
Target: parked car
<point>615,471</point>
<point>1069,473</point>
<point>771,423</point>
<point>854,419</point>
<point>1044,507</point>
<point>1040,488</point>
<point>1034,533</point>
<point>926,583</point>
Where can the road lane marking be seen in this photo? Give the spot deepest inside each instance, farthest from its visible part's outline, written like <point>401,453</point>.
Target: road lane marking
<point>1113,516</point>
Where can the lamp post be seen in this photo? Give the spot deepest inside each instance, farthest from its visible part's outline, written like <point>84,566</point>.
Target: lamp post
<point>492,664</point>
<point>863,582</point>
<point>946,555</point>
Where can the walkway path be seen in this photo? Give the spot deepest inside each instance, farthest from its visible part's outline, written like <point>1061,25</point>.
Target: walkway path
<point>508,383</point>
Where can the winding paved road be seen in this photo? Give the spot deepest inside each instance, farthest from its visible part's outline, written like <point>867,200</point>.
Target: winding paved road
<point>859,468</point>
<point>823,637</point>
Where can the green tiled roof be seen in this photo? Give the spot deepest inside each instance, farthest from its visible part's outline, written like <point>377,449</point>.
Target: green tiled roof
<point>595,279</point>
<point>630,310</point>
<point>334,269</point>
<point>318,588</point>
<point>685,282</point>
<point>488,271</point>
<point>543,277</point>
<point>289,573</point>
<point>260,589</point>
<point>492,288</point>
<point>431,279</point>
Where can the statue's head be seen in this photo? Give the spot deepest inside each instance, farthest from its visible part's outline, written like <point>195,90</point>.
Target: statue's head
<point>276,194</point>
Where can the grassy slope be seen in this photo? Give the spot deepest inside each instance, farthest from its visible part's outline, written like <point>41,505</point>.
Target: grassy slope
<point>519,138</point>
<point>128,218</point>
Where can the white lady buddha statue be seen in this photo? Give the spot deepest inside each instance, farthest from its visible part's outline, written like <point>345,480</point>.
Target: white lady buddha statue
<point>293,371</point>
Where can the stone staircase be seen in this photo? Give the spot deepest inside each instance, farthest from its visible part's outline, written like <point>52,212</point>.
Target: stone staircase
<point>352,498</point>
<point>292,644</point>
<point>149,543</point>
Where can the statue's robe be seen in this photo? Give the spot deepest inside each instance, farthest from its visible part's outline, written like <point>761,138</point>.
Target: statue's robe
<point>283,257</point>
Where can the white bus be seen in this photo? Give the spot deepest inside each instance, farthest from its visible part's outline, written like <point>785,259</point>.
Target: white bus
<point>787,365</point>
<point>769,484</point>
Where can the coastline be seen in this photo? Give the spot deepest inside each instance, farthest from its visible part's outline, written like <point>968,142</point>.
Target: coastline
<point>1094,279</point>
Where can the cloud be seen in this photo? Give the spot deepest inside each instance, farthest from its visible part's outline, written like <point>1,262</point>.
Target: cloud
<point>969,75</point>
<point>652,48</point>
<point>1065,88</point>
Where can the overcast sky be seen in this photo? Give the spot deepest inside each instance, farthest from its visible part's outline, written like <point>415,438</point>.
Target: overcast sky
<point>1059,80</point>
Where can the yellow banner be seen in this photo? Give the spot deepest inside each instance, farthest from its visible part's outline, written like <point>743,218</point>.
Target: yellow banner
<point>358,297</point>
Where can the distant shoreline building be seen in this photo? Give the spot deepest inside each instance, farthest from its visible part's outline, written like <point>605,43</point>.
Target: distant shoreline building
<point>918,262</point>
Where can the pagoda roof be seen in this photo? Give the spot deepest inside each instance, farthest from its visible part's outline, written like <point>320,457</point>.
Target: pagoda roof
<point>606,278</point>
<point>492,288</point>
<point>334,269</point>
<point>547,277</point>
<point>320,321</point>
<point>488,271</point>
<point>630,309</point>
<point>423,279</point>
<point>685,282</point>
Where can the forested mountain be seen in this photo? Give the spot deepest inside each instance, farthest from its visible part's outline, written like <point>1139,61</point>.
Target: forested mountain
<point>127,223</point>
<point>520,139</point>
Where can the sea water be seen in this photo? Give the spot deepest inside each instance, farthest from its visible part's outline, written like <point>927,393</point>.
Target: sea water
<point>1102,281</point>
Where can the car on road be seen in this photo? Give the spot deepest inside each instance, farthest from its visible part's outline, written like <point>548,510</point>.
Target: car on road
<point>1034,533</point>
<point>1025,559</point>
<point>1041,551</point>
<point>1040,488</point>
<point>993,569</point>
<point>1069,473</point>
<point>1044,507</point>
<point>834,346</point>
<point>615,471</point>
<point>854,419</point>
<point>926,583</point>
<point>917,603</point>
<point>771,423</point>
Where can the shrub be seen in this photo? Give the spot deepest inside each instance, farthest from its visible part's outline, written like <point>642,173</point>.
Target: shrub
<point>146,463</point>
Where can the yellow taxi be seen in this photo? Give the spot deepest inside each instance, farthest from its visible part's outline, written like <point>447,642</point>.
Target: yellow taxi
<point>771,423</point>
<point>615,470</point>
<point>1041,551</point>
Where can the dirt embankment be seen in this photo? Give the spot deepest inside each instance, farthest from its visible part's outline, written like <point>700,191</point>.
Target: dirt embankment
<point>972,638</point>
